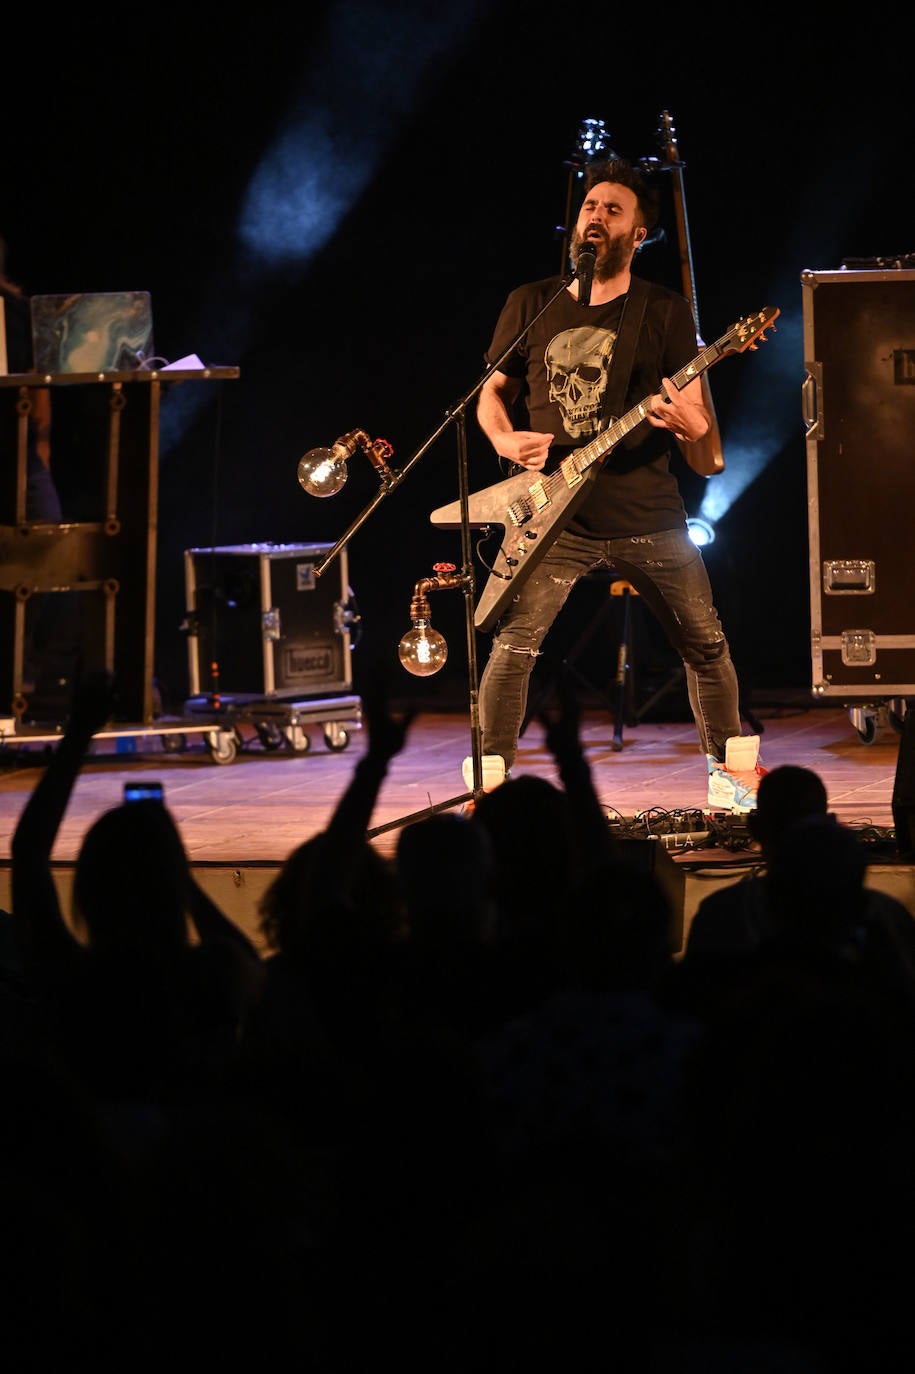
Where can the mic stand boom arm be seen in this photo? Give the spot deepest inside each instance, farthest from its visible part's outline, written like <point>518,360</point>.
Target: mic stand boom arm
<point>393,477</point>
<point>391,480</point>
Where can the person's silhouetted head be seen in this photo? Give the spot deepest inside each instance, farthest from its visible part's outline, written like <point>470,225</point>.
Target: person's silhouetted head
<point>787,794</point>
<point>297,919</point>
<point>530,829</point>
<point>131,888</point>
<point>445,869</point>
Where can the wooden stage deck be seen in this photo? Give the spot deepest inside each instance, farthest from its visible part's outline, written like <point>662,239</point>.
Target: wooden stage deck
<point>240,820</point>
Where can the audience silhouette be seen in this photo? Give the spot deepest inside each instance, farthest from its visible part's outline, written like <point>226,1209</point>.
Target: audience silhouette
<point>738,916</point>
<point>807,897</point>
<point>138,1010</point>
<point>468,1110</point>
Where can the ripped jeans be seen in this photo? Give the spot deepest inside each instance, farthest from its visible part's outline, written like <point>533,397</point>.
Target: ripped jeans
<point>667,571</point>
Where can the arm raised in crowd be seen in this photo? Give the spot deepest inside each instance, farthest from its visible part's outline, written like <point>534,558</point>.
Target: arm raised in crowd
<point>40,926</point>
<point>563,738</point>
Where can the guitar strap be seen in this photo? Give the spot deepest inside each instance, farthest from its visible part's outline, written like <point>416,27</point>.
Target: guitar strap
<point>624,349</point>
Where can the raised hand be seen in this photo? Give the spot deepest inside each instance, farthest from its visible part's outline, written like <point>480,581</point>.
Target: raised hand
<point>93,701</point>
<point>387,733</point>
<point>561,730</point>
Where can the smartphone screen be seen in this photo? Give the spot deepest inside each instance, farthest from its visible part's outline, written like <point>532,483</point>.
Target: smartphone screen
<point>143,791</point>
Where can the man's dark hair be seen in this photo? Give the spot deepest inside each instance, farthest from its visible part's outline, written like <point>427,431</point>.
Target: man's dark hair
<point>622,173</point>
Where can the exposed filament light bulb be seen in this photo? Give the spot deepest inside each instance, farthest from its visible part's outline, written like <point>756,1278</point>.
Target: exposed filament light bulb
<point>322,472</point>
<point>423,651</point>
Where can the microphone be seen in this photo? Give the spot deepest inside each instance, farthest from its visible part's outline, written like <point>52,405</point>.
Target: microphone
<point>585,270</point>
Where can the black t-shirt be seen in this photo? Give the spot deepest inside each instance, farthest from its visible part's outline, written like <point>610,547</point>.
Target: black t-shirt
<point>564,363</point>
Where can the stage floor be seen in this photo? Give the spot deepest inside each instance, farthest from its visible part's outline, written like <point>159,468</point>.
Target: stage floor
<point>240,820</point>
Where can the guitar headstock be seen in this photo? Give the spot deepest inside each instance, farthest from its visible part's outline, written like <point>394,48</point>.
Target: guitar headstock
<point>593,142</point>
<point>667,138</point>
<point>749,331</point>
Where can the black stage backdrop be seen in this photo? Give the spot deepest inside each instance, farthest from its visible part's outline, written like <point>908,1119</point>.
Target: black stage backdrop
<point>414,174</point>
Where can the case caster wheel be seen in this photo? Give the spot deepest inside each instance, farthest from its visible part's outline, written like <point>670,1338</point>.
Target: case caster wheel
<point>269,735</point>
<point>335,737</point>
<point>174,744</point>
<point>896,714</point>
<point>297,740</point>
<point>865,720</point>
<point>223,745</point>
<point>868,734</point>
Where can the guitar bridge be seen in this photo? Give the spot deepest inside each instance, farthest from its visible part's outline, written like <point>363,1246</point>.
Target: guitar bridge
<point>519,512</point>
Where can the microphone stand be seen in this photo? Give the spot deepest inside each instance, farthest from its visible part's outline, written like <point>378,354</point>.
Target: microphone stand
<point>391,480</point>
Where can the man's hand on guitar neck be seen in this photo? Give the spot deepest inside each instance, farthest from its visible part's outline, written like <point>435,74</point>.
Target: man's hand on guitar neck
<point>684,412</point>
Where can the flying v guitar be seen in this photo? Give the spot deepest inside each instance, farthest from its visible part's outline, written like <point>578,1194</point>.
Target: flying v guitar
<point>532,513</point>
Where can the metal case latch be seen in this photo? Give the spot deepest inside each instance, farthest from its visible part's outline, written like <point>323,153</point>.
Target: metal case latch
<point>859,648</point>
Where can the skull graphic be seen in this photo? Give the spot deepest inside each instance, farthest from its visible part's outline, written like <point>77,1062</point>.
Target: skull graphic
<point>578,364</point>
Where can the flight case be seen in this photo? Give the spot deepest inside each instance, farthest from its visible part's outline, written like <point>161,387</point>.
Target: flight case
<point>270,644</point>
<point>259,621</point>
<point>859,413</point>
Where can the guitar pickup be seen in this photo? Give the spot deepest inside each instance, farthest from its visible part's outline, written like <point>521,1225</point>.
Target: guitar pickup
<point>570,470</point>
<point>540,496</point>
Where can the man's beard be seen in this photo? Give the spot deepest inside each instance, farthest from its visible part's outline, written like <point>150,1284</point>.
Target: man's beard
<point>614,254</point>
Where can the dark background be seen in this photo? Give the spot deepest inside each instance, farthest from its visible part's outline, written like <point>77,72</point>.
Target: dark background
<point>131,145</point>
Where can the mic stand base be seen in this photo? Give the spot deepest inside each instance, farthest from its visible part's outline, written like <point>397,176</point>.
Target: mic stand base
<point>422,815</point>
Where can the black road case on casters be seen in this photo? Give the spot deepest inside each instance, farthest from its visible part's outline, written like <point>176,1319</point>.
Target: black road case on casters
<point>270,644</point>
<point>859,414</point>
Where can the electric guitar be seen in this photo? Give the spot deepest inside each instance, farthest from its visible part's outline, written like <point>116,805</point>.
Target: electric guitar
<point>532,512</point>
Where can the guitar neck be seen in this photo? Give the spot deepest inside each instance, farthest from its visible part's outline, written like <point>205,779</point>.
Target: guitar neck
<point>610,437</point>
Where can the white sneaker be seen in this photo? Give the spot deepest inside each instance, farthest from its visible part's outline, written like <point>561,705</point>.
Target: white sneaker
<point>493,771</point>
<point>733,785</point>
